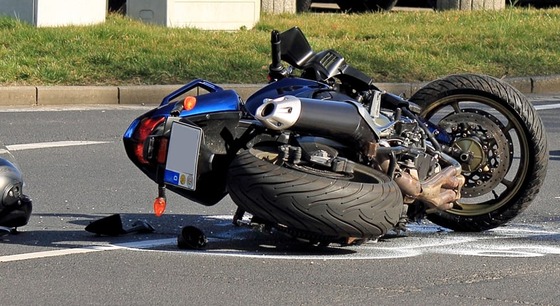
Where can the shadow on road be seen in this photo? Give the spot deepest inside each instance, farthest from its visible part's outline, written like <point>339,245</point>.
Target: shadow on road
<point>220,232</point>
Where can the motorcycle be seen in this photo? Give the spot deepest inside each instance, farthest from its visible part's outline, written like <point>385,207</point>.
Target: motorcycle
<point>323,155</point>
<point>15,207</point>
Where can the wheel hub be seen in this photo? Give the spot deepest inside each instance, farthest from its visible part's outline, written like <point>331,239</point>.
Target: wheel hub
<point>472,154</point>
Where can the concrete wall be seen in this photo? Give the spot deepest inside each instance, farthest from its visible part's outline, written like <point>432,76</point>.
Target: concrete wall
<point>203,14</point>
<point>469,5</point>
<point>53,13</point>
<point>278,6</point>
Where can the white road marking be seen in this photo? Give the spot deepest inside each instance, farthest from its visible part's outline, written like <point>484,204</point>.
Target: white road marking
<point>545,107</point>
<point>53,144</point>
<point>60,108</point>
<point>54,253</point>
<point>422,240</point>
<point>136,245</point>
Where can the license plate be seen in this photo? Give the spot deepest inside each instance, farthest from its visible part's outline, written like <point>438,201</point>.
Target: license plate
<point>182,155</point>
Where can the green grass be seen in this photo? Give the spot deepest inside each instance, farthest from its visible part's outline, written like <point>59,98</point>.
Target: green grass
<point>391,47</point>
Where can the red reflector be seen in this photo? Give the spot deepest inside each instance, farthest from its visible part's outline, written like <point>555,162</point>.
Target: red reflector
<point>145,128</point>
<point>139,152</point>
<point>162,151</point>
<point>159,206</point>
<point>189,103</point>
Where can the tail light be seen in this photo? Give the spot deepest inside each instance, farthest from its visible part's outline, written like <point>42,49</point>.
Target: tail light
<point>144,129</point>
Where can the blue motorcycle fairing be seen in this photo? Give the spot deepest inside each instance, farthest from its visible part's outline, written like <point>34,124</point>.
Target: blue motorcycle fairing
<point>132,127</point>
<point>289,86</point>
<point>194,84</point>
<point>216,100</point>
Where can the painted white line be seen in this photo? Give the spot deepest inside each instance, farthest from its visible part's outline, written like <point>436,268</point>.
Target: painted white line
<point>146,244</point>
<point>545,107</point>
<point>484,246</point>
<point>54,253</point>
<point>62,108</point>
<point>420,241</point>
<point>54,144</point>
<point>136,245</point>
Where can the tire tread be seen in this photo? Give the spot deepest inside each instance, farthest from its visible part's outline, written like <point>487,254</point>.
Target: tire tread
<point>311,203</point>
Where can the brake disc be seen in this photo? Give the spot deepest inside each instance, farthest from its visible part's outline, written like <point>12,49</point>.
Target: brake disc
<point>486,151</point>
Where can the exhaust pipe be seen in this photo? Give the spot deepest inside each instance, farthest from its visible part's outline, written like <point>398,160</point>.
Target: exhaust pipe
<point>338,119</point>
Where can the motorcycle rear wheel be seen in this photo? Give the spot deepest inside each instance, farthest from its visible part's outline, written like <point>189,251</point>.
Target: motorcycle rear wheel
<point>493,119</point>
<point>321,207</point>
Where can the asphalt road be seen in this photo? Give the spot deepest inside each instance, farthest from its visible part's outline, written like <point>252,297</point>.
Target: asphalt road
<point>76,171</point>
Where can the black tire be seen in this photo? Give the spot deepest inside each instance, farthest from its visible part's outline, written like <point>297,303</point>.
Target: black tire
<point>303,6</point>
<point>318,206</point>
<point>118,6</point>
<point>361,6</point>
<point>515,161</point>
<point>534,3</point>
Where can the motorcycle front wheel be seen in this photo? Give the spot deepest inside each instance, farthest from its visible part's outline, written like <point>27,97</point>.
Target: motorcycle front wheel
<point>314,203</point>
<point>500,141</point>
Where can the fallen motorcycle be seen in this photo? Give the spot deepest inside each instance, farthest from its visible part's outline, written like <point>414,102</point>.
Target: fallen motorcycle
<point>322,154</point>
<point>15,207</point>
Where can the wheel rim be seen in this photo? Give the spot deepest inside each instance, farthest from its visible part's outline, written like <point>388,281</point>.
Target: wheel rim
<point>500,163</point>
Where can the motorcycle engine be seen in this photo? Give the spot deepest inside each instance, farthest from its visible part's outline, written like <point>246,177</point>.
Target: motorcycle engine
<point>407,133</point>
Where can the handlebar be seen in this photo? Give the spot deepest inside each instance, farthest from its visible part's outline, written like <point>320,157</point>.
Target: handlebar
<point>275,43</point>
<point>276,70</point>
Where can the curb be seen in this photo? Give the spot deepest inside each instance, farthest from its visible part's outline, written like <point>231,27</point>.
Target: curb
<point>152,95</point>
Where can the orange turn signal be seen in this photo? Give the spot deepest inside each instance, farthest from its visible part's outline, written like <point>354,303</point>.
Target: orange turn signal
<point>159,206</point>
<point>189,103</point>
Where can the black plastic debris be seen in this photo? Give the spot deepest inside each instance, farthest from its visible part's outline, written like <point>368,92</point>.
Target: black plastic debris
<point>113,226</point>
<point>191,238</point>
<point>107,226</point>
<point>140,227</point>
